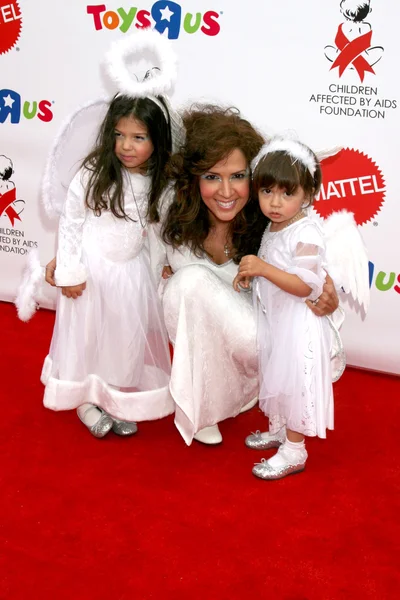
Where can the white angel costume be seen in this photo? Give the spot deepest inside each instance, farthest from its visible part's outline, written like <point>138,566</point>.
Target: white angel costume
<point>212,329</point>
<point>300,354</point>
<point>109,346</point>
<point>294,345</point>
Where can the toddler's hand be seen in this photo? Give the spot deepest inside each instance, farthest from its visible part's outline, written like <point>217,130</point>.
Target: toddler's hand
<point>251,266</point>
<point>166,272</point>
<point>73,291</point>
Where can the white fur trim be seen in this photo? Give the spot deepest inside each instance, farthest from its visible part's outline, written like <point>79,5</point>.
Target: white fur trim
<point>64,276</point>
<point>117,68</point>
<point>295,149</point>
<point>50,195</point>
<point>127,406</point>
<point>32,279</point>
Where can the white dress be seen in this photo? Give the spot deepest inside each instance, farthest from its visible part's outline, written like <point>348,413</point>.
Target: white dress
<point>294,344</point>
<point>109,346</point>
<point>212,328</point>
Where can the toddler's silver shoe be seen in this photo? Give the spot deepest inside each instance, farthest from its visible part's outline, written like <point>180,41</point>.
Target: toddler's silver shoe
<point>256,441</point>
<point>263,470</point>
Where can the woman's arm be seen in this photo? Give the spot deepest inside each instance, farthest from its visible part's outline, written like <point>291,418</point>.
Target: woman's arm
<point>327,302</point>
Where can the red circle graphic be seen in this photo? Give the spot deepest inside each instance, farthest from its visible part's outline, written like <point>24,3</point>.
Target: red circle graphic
<point>351,181</point>
<point>10,24</point>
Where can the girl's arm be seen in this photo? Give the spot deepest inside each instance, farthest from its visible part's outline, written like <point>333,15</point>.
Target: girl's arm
<point>252,266</point>
<point>157,246</point>
<point>70,271</point>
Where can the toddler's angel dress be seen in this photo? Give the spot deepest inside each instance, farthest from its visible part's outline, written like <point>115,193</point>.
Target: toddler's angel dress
<point>109,346</point>
<point>293,343</point>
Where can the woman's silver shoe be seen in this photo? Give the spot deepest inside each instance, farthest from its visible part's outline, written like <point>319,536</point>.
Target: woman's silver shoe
<point>255,441</point>
<point>102,426</point>
<point>124,428</point>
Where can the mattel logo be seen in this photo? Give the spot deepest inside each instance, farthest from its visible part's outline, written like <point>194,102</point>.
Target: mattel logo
<point>351,181</point>
<point>163,16</point>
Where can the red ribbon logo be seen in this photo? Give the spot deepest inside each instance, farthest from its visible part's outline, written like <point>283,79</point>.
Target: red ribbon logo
<point>350,53</point>
<point>6,201</point>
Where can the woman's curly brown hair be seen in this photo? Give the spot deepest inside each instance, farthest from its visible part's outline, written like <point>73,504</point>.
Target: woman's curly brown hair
<point>212,133</point>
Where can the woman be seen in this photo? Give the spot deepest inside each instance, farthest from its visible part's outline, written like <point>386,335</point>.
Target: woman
<point>208,222</point>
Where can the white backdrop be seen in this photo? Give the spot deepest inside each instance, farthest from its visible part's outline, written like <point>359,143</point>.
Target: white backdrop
<point>272,60</point>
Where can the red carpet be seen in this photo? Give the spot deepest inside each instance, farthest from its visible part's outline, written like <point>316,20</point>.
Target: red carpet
<point>149,518</point>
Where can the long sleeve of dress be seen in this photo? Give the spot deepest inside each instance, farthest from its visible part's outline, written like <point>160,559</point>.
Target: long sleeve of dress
<point>157,246</point>
<point>307,259</point>
<point>70,269</point>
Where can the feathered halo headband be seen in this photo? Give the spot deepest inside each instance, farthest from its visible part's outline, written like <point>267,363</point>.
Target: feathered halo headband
<point>117,68</point>
<point>297,151</point>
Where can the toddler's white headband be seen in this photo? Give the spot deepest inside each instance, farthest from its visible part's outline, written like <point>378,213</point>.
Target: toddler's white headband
<point>296,150</point>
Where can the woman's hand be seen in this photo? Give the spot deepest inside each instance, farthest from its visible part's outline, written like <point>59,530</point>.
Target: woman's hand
<point>166,272</point>
<point>49,274</point>
<point>241,282</point>
<point>328,301</point>
<point>73,291</point>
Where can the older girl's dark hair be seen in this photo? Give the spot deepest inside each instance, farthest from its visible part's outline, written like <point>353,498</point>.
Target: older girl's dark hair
<point>212,133</point>
<point>105,185</point>
<point>281,169</point>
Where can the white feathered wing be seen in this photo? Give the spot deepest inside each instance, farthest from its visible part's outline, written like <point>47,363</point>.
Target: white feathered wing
<point>346,256</point>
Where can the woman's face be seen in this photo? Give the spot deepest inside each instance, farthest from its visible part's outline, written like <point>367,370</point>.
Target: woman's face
<point>225,188</point>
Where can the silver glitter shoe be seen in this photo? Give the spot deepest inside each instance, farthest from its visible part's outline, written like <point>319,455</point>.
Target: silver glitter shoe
<point>264,470</point>
<point>255,441</point>
<point>102,426</point>
<point>124,428</point>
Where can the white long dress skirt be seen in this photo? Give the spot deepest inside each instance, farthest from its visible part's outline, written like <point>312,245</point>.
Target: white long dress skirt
<point>110,346</point>
<point>212,328</point>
